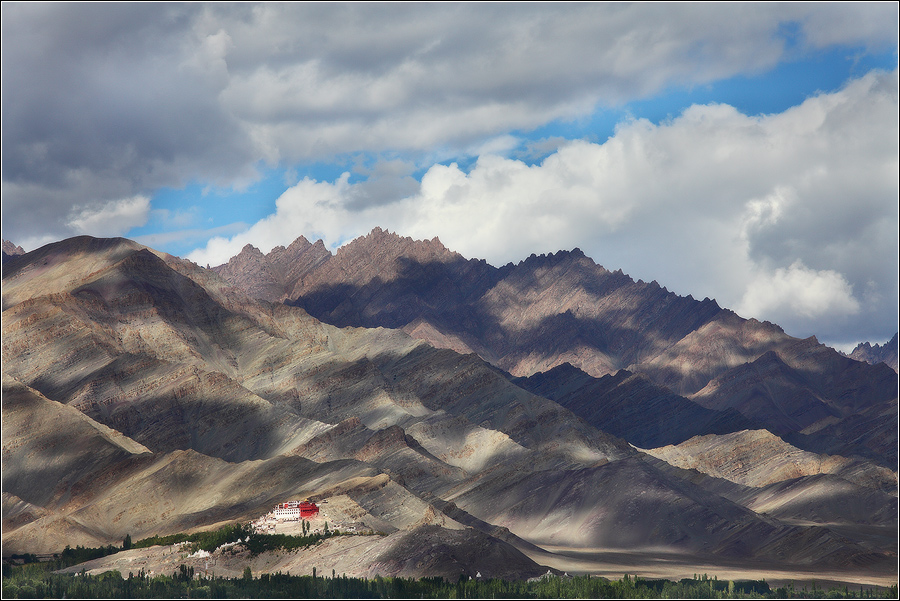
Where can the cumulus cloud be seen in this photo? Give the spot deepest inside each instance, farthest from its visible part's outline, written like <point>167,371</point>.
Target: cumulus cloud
<point>103,105</point>
<point>110,101</point>
<point>311,208</point>
<point>191,235</point>
<point>799,292</point>
<point>789,217</point>
<point>113,218</point>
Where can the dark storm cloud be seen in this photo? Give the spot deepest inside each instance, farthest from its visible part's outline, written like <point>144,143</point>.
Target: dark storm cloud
<point>101,102</point>
<point>104,102</point>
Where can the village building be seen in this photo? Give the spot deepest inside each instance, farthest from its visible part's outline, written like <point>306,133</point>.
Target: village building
<point>295,510</point>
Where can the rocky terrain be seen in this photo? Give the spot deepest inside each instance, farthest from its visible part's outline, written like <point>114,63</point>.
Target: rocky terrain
<point>466,411</point>
<point>758,458</point>
<point>877,353</point>
<point>561,308</point>
<point>11,250</point>
<point>631,406</point>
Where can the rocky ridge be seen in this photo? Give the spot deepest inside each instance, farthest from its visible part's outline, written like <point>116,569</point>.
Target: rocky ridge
<point>549,310</point>
<point>631,406</point>
<point>877,353</point>
<point>758,458</point>
<point>203,381</point>
<point>199,405</point>
<point>11,250</point>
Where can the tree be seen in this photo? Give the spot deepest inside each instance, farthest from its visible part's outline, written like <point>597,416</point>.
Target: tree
<point>248,575</point>
<point>126,544</point>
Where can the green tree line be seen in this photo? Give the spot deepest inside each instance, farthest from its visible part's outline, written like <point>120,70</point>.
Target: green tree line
<point>37,581</point>
<point>207,541</point>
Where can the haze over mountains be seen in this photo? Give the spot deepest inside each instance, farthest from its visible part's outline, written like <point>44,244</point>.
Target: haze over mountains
<point>144,395</point>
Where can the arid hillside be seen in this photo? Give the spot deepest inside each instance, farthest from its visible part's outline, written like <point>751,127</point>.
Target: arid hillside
<point>145,395</point>
<point>550,310</point>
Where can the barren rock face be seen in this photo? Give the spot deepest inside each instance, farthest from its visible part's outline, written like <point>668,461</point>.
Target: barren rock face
<point>273,277</point>
<point>877,353</point>
<point>563,308</point>
<point>631,406</point>
<point>210,388</point>
<point>10,250</point>
<point>758,458</point>
<point>144,395</point>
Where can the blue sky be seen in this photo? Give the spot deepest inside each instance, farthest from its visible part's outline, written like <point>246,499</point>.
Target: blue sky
<point>745,152</point>
<point>787,84</point>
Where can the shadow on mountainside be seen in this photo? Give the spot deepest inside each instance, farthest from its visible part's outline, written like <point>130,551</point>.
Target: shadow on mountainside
<point>489,310</point>
<point>454,298</point>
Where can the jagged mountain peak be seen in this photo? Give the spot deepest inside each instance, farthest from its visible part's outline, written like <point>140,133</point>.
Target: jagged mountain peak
<point>299,244</point>
<point>249,255</point>
<point>381,247</point>
<point>877,353</point>
<point>11,249</point>
<point>560,257</point>
<point>562,307</point>
<point>250,249</point>
<point>242,404</point>
<point>273,276</point>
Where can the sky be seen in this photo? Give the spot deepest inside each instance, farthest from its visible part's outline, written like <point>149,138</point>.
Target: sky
<point>745,152</point>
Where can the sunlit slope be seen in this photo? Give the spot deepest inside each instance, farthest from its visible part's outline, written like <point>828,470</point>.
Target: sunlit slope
<point>139,345</point>
<point>70,480</point>
<point>228,404</point>
<point>548,310</point>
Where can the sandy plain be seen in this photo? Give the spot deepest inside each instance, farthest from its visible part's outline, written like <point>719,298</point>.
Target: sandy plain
<point>671,565</point>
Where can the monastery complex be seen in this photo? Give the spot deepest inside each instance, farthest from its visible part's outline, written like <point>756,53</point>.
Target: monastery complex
<point>288,517</point>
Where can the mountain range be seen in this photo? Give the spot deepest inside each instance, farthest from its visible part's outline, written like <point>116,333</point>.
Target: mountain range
<point>877,353</point>
<point>550,403</point>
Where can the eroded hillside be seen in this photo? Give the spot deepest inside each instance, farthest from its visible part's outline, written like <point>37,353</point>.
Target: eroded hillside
<point>145,395</point>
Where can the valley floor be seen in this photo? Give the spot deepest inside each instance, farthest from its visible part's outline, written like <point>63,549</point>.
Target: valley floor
<point>662,563</point>
<point>348,555</point>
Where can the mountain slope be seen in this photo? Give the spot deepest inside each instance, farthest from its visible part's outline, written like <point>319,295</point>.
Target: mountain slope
<point>241,403</point>
<point>849,411</point>
<point>208,382</point>
<point>561,308</point>
<point>758,458</point>
<point>630,406</point>
<point>88,484</point>
<point>632,504</point>
<point>878,353</point>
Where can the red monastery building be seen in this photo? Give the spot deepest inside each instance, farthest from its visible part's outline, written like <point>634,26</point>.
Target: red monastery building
<point>295,510</point>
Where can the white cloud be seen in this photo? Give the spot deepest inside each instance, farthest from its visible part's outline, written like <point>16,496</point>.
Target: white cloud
<point>128,98</point>
<point>190,236</point>
<point>797,291</point>
<point>789,217</point>
<point>310,208</point>
<point>115,101</point>
<point>111,219</point>
<point>838,23</point>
